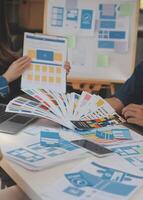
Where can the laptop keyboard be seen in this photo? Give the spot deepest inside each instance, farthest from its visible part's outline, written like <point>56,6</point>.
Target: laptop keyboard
<point>2,108</point>
<point>4,115</point>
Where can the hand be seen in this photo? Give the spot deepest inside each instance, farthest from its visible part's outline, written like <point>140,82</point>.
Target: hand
<point>133,113</point>
<point>115,103</point>
<point>17,68</point>
<point>67,67</point>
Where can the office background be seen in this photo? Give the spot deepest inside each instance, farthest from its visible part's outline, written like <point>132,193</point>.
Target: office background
<point>27,15</point>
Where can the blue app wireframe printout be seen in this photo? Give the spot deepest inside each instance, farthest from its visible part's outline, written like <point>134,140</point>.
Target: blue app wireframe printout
<point>72,15</point>
<point>109,180</point>
<point>86,19</point>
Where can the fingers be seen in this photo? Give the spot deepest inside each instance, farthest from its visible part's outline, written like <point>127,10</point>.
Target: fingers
<point>17,68</point>
<point>22,62</point>
<point>132,107</point>
<point>135,121</point>
<point>133,113</point>
<point>67,66</point>
<point>21,59</point>
<point>129,114</point>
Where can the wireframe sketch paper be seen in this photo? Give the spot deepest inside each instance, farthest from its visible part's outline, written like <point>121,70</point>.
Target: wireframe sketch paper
<point>132,153</point>
<point>48,150</point>
<point>48,54</point>
<point>101,36</point>
<point>92,180</point>
<point>111,135</point>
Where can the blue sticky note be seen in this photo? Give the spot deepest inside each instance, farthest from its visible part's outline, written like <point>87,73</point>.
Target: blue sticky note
<point>108,24</point>
<point>49,138</point>
<point>106,44</point>
<point>117,34</point>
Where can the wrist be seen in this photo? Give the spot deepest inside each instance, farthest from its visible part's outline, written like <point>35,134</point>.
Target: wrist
<point>6,77</point>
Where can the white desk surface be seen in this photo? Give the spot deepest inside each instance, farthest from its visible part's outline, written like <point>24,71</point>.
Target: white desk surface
<point>31,182</point>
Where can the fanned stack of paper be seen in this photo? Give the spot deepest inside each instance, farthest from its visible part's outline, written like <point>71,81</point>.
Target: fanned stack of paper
<point>71,110</point>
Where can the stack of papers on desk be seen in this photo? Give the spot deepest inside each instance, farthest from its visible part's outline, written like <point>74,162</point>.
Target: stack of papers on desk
<point>44,152</point>
<point>94,181</point>
<point>110,135</point>
<point>85,111</point>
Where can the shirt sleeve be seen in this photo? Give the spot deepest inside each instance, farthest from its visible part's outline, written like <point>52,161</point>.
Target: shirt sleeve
<point>132,90</point>
<point>4,88</point>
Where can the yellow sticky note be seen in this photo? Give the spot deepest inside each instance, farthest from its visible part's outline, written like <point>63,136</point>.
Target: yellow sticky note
<point>37,67</point>
<point>51,79</point>
<point>37,78</point>
<point>126,9</point>
<point>71,42</point>
<point>102,61</point>
<point>58,57</point>
<point>44,68</point>
<point>51,70</point>
<point>32,54</point>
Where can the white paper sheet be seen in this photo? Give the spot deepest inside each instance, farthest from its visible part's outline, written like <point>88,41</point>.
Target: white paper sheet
<point>48,54</point>
<point>92,180</point>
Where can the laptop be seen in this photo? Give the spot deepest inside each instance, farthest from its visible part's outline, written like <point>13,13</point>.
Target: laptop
<point>12,123</point>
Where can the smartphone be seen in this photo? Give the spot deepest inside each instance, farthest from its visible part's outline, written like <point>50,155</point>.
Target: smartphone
<point>94,148</point>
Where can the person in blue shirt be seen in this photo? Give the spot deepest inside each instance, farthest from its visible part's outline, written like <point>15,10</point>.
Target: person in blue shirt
<point>128,100</point>
<point>11,67</point>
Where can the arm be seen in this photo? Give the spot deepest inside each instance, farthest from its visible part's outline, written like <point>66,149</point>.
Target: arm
<point>130,92</point>
<point>116,104</point>
<point>17,68</point>
<point>14,71</point>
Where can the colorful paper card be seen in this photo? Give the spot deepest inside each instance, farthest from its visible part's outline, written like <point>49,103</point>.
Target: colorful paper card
<point>48,54</point>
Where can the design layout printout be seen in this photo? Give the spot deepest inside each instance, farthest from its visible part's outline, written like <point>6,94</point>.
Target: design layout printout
<point>50,150</point>
<point>111,135</point>
<point>91,181</point>
<point>48,54</point>
<point>109,22</point>
<point>133,153</point>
